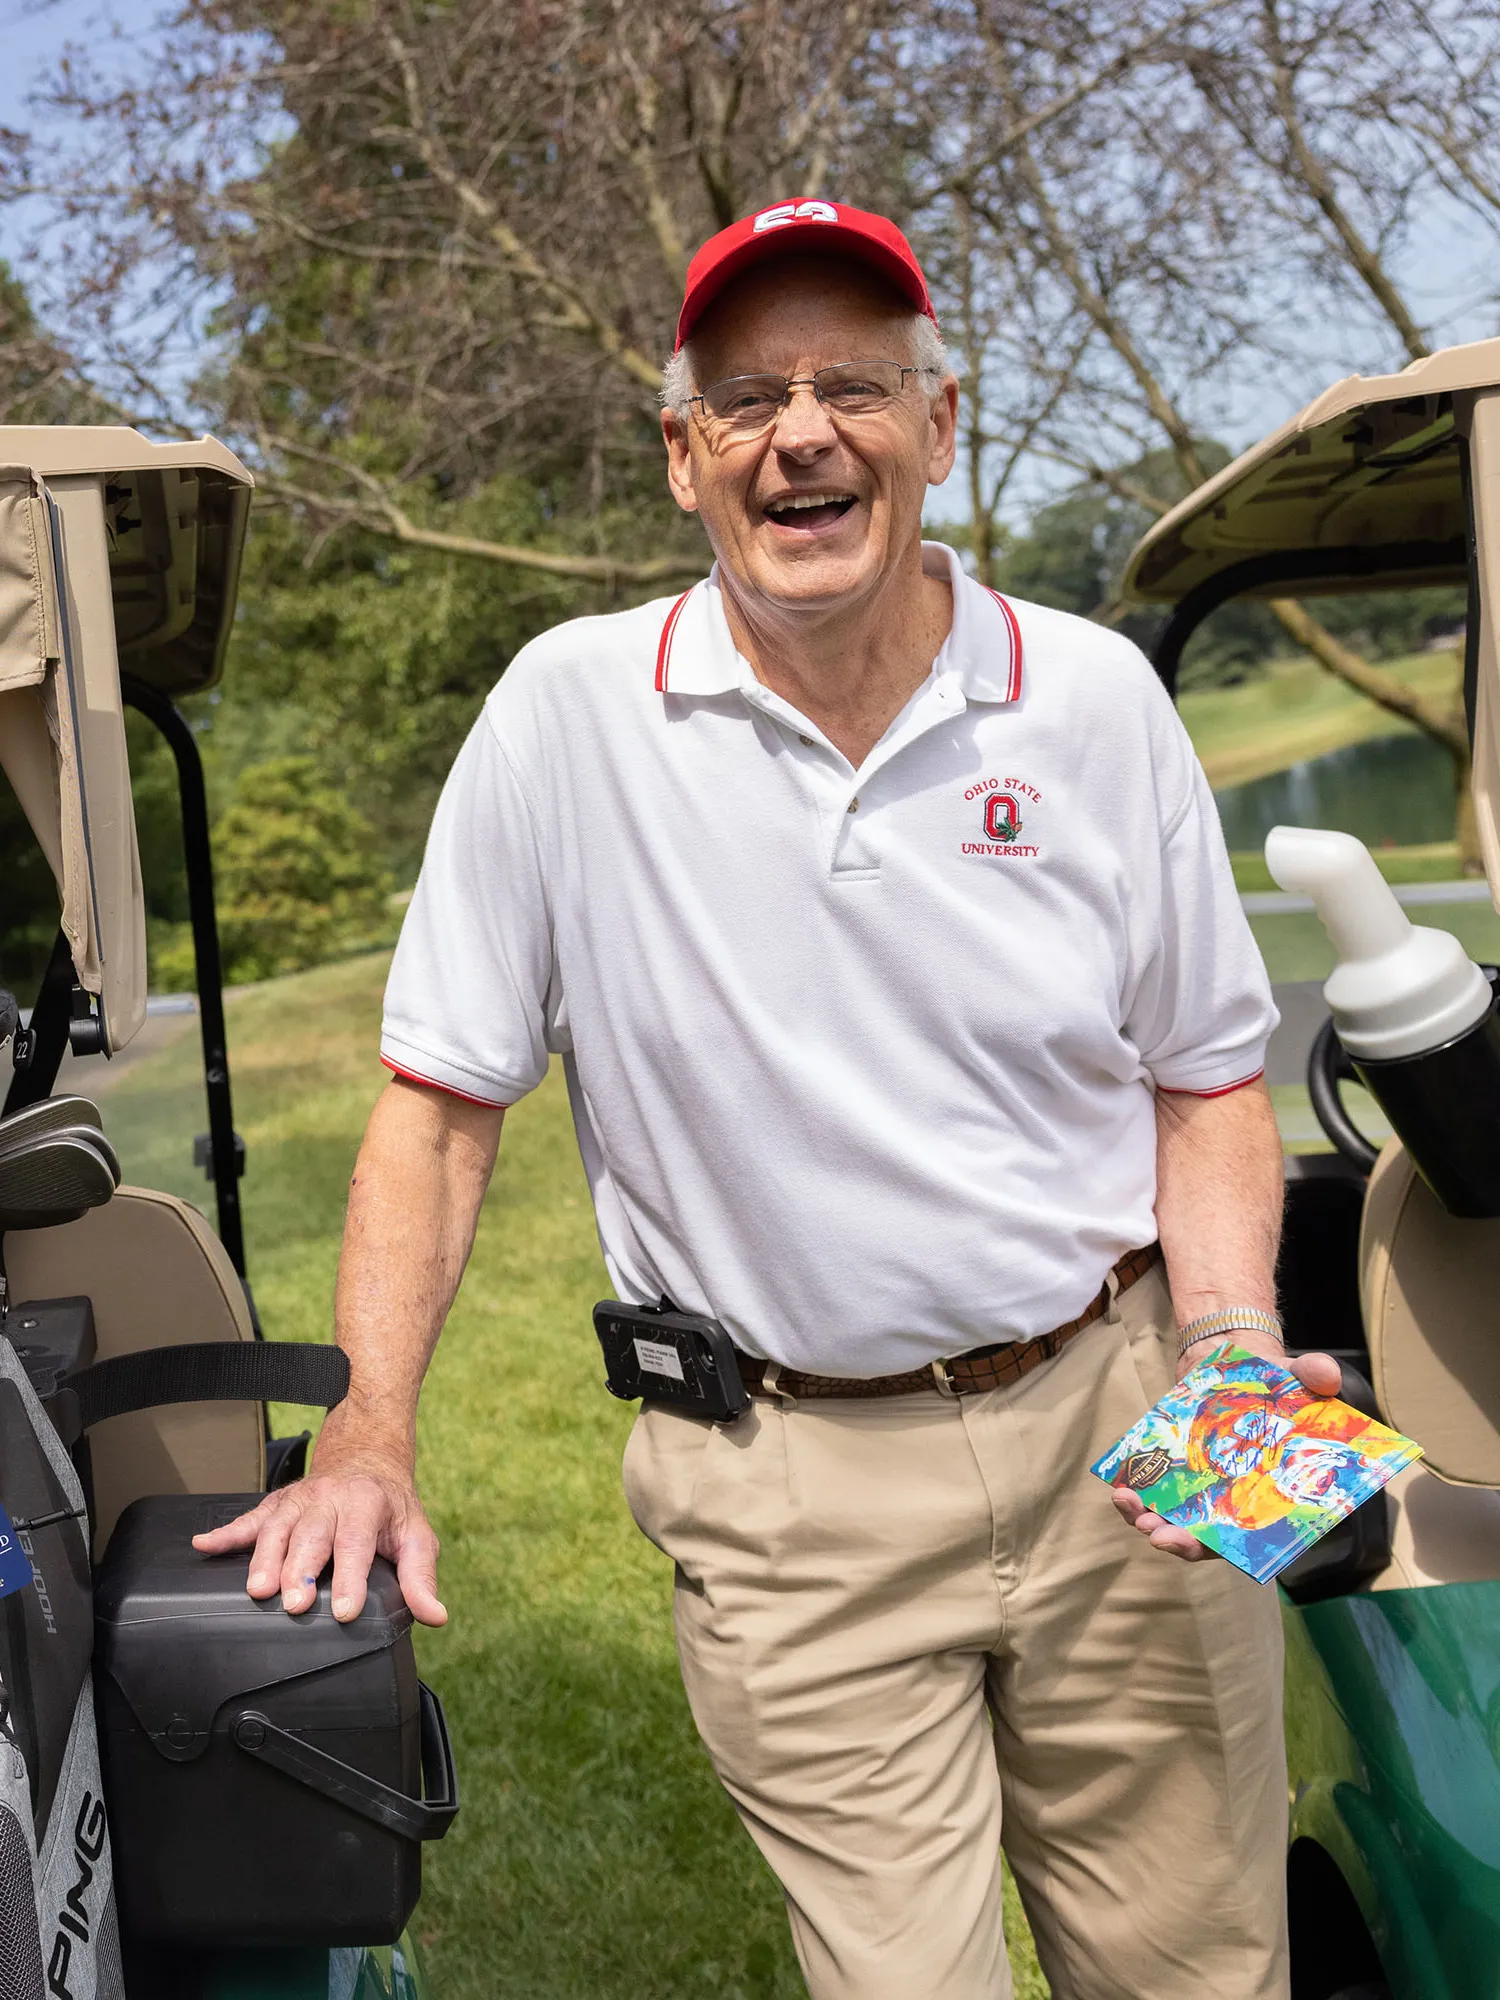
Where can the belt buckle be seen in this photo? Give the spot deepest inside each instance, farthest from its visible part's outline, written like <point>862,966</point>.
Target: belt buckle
<point>942,1379</point>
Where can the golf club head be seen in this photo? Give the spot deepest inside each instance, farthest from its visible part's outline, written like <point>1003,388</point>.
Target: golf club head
<point>55,1178</point>
<point>92,1136</point>
<point>52,1114</point>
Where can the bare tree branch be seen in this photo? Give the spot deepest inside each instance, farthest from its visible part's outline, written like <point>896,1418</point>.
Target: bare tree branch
<point>1319,183</point>
<point>1445,725</point>
<point>387,517</point>
<point>576,313</point>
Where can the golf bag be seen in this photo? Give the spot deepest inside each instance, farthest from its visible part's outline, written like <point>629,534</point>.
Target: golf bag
<point>58,1935</point>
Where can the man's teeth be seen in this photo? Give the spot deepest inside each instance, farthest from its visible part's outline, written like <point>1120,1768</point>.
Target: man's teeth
<point>804,500</point>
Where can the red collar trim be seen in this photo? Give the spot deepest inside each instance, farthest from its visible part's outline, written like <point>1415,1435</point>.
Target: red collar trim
<point>669,632</point>
<point>664,645</point>
<point>1013,626</point>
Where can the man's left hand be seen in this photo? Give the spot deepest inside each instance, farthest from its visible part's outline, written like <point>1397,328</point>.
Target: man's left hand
<point>1319,1373</point>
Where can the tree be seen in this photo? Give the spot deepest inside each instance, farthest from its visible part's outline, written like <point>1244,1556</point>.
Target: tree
<point>1180,225</point>
<point>37,380</point>
<point>1309,100</point>
<point>1075,549</point>
<point>298,881</point>
<point>435,243</point>
<point>436,249</point>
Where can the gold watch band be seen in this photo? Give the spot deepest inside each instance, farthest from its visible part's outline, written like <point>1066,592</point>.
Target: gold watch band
<point>1233,1319</point>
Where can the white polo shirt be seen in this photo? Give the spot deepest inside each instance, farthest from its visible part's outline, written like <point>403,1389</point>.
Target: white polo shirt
<point>861,1061</point>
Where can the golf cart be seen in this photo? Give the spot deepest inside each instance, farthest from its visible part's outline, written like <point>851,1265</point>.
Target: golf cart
<point>266,1780</point>
<point>1391,1258</point>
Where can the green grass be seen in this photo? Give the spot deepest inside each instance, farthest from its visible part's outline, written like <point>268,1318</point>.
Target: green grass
<point>1297,711</point>
<point>1295,945</point>
<point>594,1853</point>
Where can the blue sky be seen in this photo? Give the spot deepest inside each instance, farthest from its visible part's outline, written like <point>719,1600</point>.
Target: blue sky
<point>33,34</point>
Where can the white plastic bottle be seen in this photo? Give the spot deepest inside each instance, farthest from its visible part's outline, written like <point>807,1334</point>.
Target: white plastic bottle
<point>1414,1012</point>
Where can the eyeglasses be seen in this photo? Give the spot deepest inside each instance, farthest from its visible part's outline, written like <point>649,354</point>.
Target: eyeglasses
<point>745,404</point>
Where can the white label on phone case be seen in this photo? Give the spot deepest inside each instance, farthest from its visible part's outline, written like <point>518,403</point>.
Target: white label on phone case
<point>657,1359</point>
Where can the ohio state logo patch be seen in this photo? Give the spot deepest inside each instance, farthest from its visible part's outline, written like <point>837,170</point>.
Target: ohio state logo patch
<point>1002,817</point>
<point>1003,808</point>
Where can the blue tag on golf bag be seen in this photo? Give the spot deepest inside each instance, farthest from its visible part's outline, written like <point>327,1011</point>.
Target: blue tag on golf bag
<point>15,1564</point>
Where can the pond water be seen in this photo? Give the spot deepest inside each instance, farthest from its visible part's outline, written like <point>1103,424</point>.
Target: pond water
<point>1392,791</point>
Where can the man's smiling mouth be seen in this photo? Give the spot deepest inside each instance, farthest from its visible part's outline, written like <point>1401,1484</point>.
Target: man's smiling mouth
<point>809,510</point>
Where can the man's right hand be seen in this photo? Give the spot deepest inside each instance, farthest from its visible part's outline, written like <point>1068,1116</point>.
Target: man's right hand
<point>352,1507</point>
<point>413,1203</point>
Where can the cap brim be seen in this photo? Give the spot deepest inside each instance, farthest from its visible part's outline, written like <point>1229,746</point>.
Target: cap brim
<point>806,239</point>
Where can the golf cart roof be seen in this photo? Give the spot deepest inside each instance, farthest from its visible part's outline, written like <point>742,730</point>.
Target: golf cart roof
<point>118,557</point>
<point>175,518</point>
<point>1385,482</point>
<point>1364,488</point>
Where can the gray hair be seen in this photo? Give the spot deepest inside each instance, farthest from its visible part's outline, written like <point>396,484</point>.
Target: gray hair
<point>678,382</point>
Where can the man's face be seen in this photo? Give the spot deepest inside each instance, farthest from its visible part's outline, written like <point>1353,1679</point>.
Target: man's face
<point>871,472</point>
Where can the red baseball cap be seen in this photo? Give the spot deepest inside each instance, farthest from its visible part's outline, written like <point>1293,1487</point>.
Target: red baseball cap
<point>802,225</point>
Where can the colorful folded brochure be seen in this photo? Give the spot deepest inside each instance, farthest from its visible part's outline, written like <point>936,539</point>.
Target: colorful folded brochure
<point>1253,1464</point>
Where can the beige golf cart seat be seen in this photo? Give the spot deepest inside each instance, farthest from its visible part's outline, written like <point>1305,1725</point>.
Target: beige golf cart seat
<point>157,1276</point>
<point>1428,1286</point>
<point>117,551</point>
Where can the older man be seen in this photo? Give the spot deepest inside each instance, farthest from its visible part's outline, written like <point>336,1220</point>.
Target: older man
<point>887,935</point>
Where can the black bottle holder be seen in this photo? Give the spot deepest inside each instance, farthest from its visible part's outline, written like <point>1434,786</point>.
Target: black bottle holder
<point>1444,1106</point>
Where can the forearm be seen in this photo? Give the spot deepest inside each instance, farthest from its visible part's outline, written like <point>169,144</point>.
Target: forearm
<point>1219,1199</point>
<point>414,1204</point>
<point>1218,1213</point>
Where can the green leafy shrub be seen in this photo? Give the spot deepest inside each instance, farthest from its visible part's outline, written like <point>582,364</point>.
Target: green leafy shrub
<point>169,956</point>
<point>298,877</point>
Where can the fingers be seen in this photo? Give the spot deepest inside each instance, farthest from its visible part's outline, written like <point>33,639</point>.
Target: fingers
<point>354,1544</point>
<point>1319,1373</point>
<point>1178,1542</point>
<point>264,1579</point>
<point>351,1518</point>
<point>264,1529</point>
<point>308,1548</point>
<point>416,1572</point>
<point>240,1533</point>
<point>1161,1534</point>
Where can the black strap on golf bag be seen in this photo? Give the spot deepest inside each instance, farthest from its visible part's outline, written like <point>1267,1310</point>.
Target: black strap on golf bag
<point>210,1371</point>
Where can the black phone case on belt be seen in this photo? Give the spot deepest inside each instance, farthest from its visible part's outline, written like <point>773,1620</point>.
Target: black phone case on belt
<point>683,1360</point>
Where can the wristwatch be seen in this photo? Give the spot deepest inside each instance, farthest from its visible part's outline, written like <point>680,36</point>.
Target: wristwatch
<point>1233,1319</point>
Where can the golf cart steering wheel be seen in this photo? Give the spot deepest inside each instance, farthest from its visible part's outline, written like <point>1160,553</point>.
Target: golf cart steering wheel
<point>1328,1066</point>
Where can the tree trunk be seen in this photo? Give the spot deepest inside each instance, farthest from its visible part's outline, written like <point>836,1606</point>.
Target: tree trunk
<point>1466,820</point>
<point>1444,725</point>
<point>982,536</point>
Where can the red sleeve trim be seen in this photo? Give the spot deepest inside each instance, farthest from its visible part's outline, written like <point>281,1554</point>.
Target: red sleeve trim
<point>1224,1089</point>
<point>664,645</point>
<point>446,1088</point>
<point>1012,692</point>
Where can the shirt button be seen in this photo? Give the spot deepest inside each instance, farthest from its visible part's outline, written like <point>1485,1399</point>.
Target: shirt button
<point>807,740</point>
<point>854,805</point>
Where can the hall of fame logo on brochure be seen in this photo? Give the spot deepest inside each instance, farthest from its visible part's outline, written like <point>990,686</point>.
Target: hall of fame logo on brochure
<point>1003,815</point>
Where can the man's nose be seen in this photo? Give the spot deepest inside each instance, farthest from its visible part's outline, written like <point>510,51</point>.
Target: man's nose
<point>804,428</point>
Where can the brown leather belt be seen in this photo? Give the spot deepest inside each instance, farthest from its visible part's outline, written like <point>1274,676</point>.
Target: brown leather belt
<point>970,1374</point>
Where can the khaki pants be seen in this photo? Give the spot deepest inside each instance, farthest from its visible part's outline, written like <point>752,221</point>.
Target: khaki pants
<point>912,1628</point>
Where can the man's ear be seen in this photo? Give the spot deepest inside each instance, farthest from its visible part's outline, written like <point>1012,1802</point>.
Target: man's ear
<point>674,433</point>
<point>944,418</point>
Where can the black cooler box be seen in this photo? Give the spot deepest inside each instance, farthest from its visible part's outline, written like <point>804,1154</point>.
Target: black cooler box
<point>265,1775</point>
